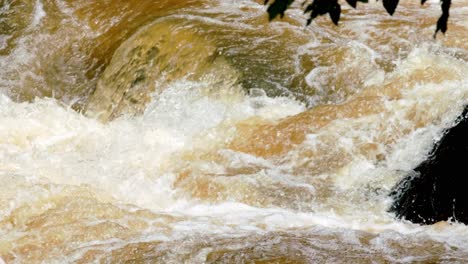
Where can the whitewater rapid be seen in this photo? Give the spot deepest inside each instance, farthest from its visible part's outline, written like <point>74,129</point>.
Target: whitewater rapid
<point>229,160</point>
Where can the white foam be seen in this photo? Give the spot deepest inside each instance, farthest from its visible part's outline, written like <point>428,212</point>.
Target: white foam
<point>39,13</point>
<point>124,158</point>
<point>130,158</point>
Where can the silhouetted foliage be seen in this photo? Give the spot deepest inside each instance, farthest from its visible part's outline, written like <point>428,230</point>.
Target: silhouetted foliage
<point>442,22</point>
<point>333,9</point>
<point>390,6</point>
<point>278,8</point>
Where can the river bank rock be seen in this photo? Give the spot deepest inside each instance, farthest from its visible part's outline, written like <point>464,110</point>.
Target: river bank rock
<point>436,191</point>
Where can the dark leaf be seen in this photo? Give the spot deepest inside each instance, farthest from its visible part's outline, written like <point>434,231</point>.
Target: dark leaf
<point>390,6</point>
<point>322,7</point>
<point>352,3</point>
<point>335,13</point>
<point>278,8</point>
<point>442,22</point>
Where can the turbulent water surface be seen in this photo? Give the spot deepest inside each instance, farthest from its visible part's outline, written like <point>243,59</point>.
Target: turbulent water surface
<point>195,131</point>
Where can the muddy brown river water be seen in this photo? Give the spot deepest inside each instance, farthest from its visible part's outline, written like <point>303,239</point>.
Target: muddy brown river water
<point>198,132</point>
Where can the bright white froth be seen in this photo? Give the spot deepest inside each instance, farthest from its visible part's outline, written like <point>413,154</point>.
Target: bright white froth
<point>125,157</point>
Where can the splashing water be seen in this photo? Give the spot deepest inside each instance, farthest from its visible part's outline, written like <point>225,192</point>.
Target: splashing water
<point>198,132</point>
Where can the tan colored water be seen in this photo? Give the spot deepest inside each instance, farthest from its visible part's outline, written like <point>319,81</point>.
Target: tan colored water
<point>198,132</point>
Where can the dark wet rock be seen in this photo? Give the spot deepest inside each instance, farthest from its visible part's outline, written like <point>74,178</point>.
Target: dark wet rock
<point>437,189</point>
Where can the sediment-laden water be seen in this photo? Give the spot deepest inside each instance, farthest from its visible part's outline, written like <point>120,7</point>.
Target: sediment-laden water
<point>198,132</point>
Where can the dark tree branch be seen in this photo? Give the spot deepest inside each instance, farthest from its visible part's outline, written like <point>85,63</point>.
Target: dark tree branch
<point>333,8</point>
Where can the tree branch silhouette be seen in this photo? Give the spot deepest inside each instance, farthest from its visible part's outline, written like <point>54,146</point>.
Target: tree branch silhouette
<point>317,8</point>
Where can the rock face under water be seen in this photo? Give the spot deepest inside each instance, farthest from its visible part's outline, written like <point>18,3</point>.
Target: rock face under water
<point>437,190</point>
<point>156,55</point>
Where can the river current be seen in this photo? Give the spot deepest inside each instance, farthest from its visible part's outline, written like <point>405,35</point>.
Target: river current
<point>196,131</point>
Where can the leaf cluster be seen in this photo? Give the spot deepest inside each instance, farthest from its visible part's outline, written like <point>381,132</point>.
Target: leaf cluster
<point>317,8</point>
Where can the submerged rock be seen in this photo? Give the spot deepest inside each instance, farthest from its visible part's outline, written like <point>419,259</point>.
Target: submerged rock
<point>436,191</point>
<point>162,52</point>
